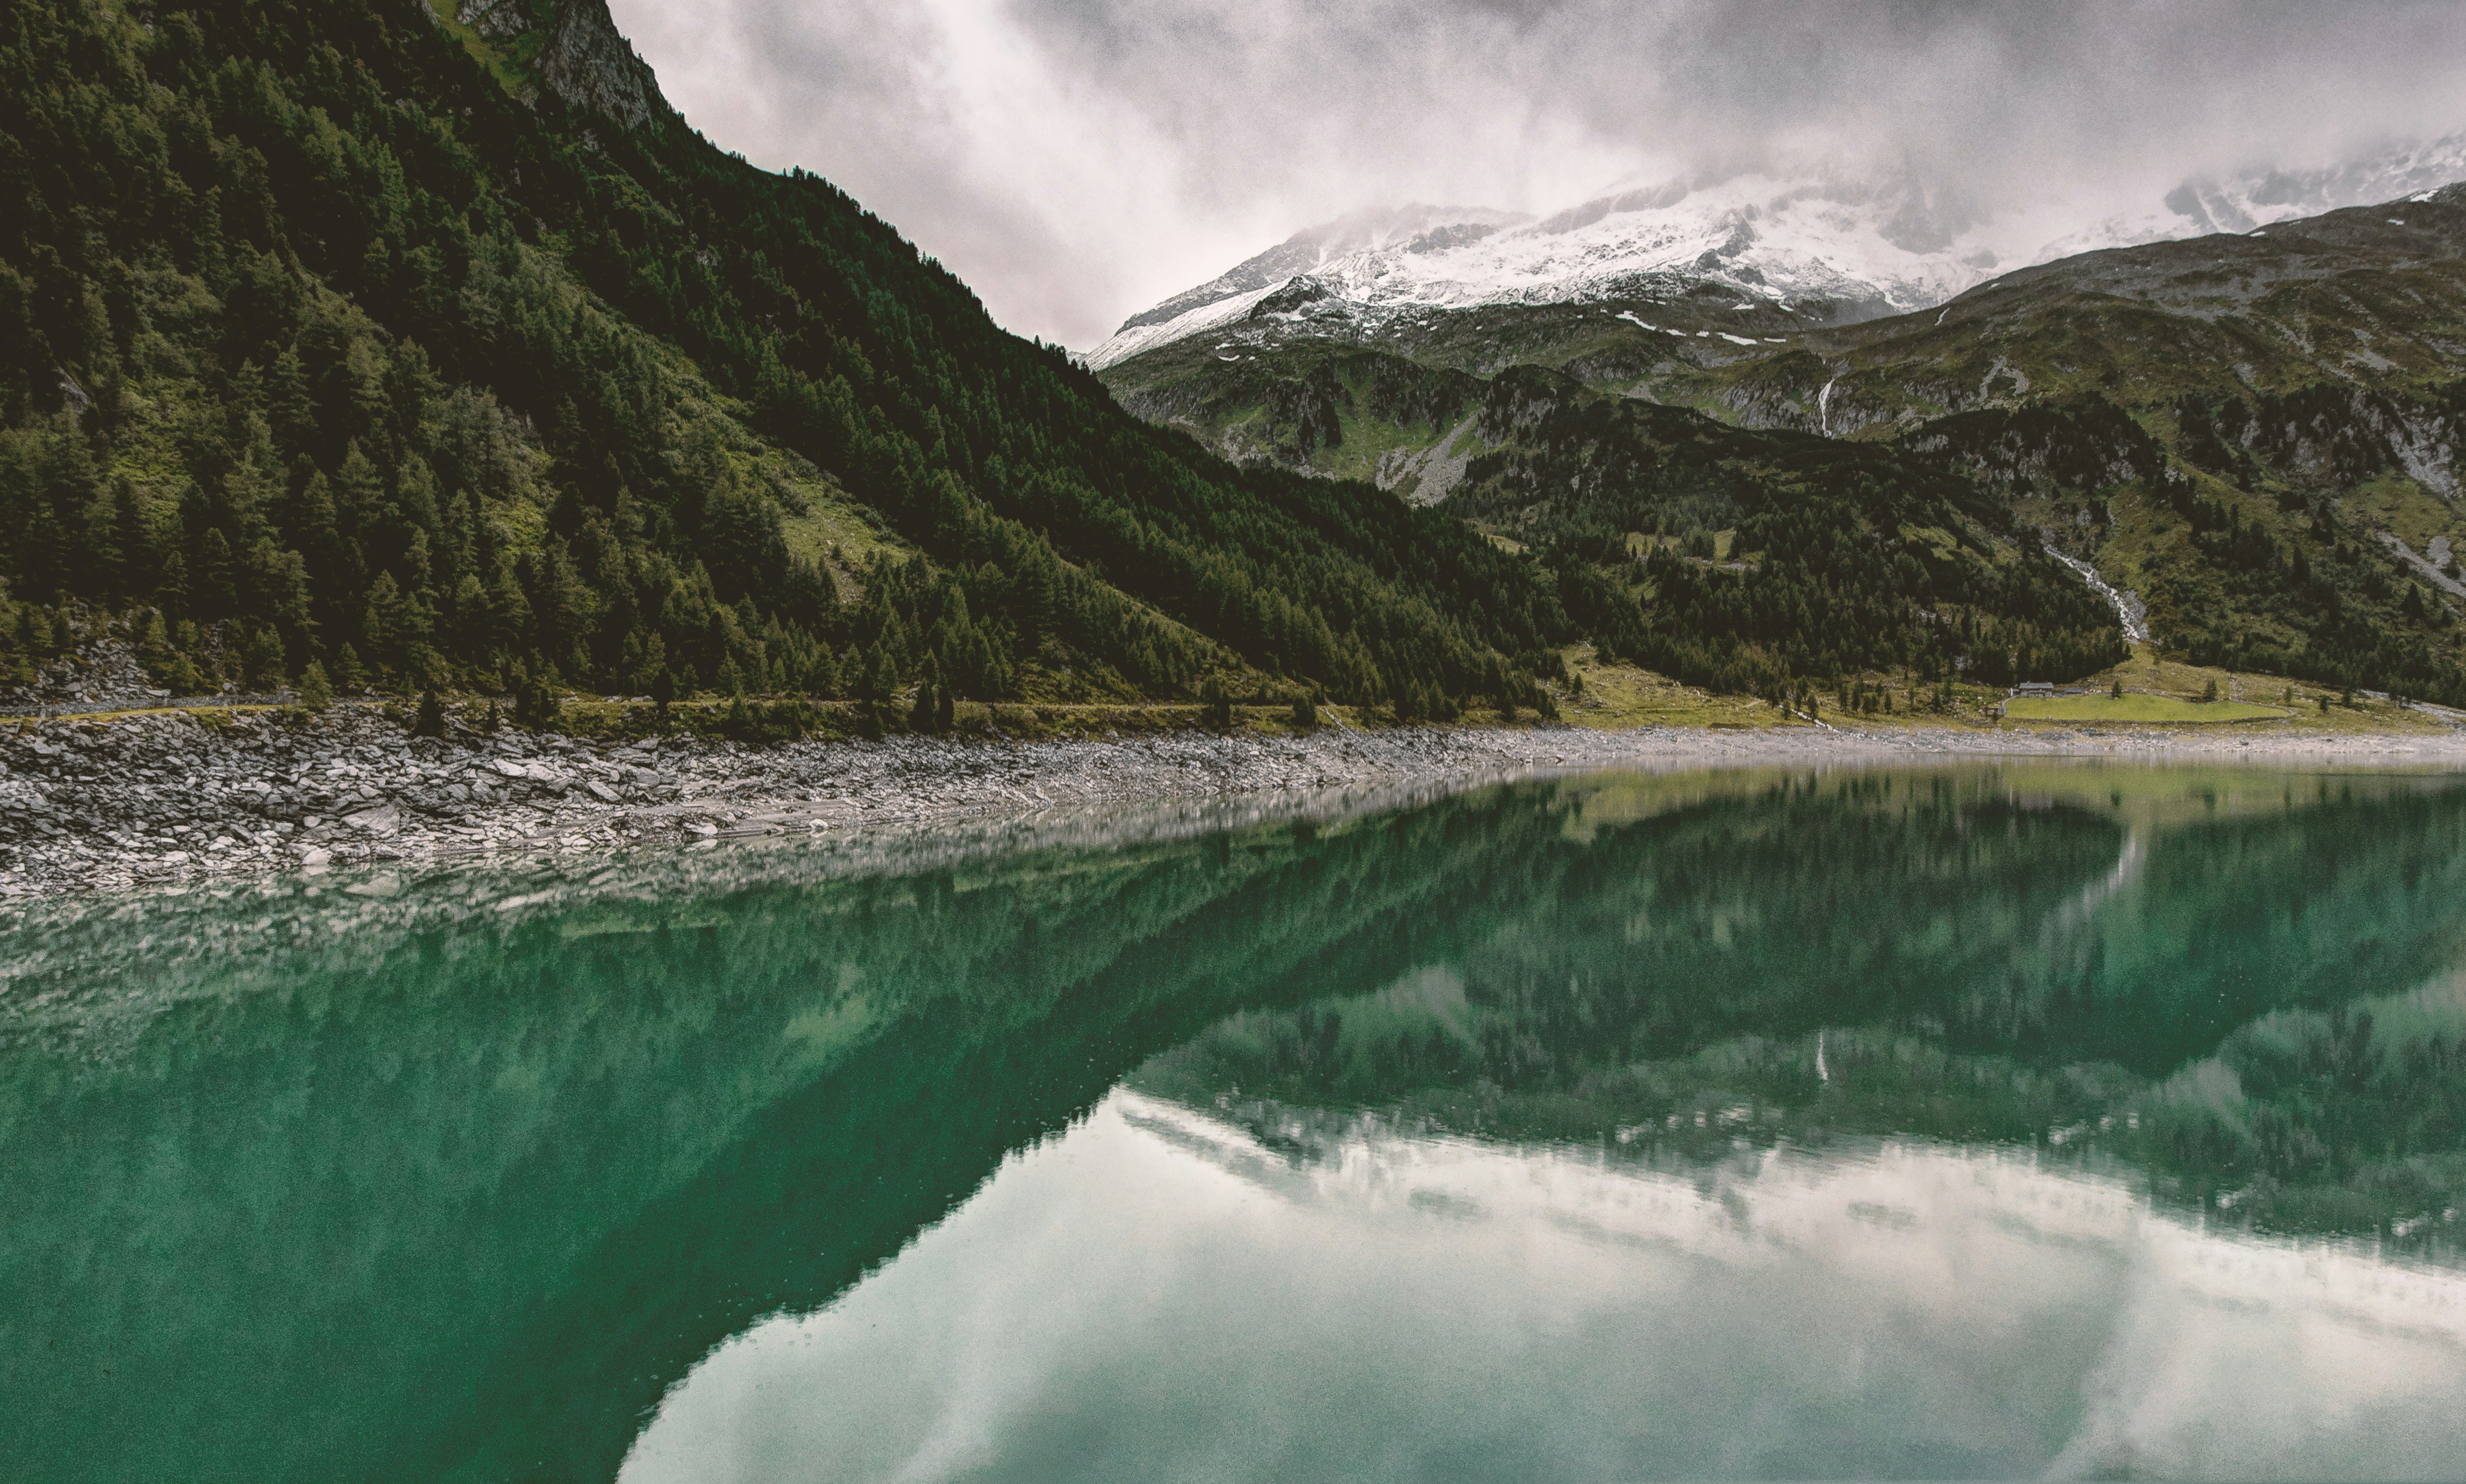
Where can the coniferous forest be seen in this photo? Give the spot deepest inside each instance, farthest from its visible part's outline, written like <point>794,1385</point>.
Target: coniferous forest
<point>410,347</point>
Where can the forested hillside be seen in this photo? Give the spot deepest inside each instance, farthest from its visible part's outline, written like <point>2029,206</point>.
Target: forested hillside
<point>1743,561</point>
<point>429,346</point>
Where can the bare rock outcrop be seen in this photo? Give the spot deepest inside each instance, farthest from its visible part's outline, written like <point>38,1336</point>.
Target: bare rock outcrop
<point>583,59</point>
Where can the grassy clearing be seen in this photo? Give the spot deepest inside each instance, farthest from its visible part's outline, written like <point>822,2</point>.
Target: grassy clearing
<point>2135,708</point>
<point>788,718</point>
<point>835,534</point>
<point>2148,672</point>
<point>1497,537</point>
<point>1368,441</point>
<point>214,718</point>
<point>509,74</point>
<point>781,718</point>
<point>1725,544</point>
<point>1620,697</point>
<point>2159,692</point>
<point>2398,504</point>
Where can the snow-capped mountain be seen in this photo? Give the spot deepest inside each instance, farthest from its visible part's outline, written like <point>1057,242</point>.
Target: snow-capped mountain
<point>1839,251</point>
<point>1864,250</point>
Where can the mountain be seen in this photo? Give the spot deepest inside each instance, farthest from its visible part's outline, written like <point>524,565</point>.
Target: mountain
<point>1810,249</point>
<point>426,345</point>
<point>1738,258</point>
<point>2368,298</point>
<point>2256,432</point>
<point>1404,229</point>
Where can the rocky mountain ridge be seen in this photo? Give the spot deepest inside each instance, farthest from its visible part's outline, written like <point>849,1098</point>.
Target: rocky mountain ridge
<point>2261,197</point>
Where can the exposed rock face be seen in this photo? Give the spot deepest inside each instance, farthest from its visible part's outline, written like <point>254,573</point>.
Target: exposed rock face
<point>582,57</point>
<point>594,68</point>
<point>498,20</point>
<point>2338,435</point>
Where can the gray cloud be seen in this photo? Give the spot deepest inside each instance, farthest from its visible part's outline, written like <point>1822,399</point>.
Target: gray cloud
<point>1078,159</point>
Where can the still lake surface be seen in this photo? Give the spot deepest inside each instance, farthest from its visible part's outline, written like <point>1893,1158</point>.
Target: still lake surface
<point>1974,1121</point>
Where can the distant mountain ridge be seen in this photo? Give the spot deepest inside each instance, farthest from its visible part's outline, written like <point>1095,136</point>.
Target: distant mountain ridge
<point>1824,248</point>
<point>2259,198</point>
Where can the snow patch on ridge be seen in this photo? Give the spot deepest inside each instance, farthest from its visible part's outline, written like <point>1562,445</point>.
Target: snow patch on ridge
<point>1132,339</point>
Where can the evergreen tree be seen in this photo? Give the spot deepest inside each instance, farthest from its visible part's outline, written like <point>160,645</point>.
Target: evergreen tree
<point>316,692</point>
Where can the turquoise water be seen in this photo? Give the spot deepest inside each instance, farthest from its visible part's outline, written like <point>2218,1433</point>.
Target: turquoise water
<point>1955,1123</point>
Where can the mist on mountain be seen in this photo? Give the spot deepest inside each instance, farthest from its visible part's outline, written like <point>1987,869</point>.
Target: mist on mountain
<point>1078,163</point>
<point>1869,243</point>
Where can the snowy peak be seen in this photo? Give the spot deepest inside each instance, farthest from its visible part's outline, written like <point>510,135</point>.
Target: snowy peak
<point>1862,249</point>
<point>1832,246</point>
<point>1409,229</point>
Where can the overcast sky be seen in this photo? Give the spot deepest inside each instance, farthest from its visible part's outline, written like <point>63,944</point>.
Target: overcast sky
<point>1075,161</point>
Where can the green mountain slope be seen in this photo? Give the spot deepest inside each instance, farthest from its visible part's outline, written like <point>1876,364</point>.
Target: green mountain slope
<point>2370,295</point>
<point>1844,557</point>
<point>431,343</point>
<point>2257,434</point>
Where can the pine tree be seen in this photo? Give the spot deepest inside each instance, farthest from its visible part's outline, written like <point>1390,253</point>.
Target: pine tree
<point>316,692</point>
<point>823,674</point>
<point>881,676</point>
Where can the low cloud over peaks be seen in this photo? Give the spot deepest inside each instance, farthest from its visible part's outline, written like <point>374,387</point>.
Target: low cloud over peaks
<point>1076,161</point>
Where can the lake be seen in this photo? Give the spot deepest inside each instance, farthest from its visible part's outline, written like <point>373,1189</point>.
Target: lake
<point>1975,1121</point>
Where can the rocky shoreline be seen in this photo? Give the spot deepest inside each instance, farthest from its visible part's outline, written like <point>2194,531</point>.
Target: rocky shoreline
<point>158,798</point>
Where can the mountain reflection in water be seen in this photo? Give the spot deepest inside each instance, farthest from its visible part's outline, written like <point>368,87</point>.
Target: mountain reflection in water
<point>1968,1121</point>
